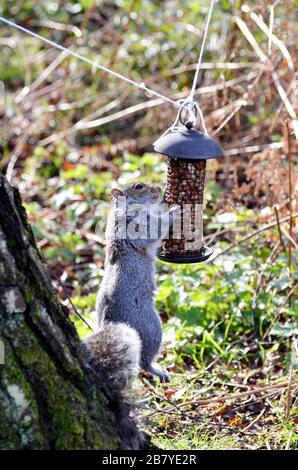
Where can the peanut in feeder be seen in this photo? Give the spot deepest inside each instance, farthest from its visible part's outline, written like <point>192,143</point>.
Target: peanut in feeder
<point>187,150</point>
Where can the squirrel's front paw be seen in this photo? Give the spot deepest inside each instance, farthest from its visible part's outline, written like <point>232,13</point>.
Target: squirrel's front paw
<point>175,210</point>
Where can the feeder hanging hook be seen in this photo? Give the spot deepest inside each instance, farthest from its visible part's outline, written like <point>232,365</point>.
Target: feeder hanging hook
<point>193,110</point>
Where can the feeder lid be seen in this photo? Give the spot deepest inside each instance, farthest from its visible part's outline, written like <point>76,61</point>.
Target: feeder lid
<point>188,144</point>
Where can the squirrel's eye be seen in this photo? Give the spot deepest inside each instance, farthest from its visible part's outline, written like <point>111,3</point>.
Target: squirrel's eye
<point>139,186</point>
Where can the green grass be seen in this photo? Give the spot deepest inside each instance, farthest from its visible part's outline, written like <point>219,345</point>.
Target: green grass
<point>197,440</point>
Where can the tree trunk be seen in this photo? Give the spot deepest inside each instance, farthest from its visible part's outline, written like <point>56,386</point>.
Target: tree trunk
<point>49,398</point>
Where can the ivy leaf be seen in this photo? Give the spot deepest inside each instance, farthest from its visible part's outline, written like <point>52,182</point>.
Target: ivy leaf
<point>284,330</point>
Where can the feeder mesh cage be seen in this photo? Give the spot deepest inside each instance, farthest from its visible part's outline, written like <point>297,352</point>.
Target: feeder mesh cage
<point>185,187</point>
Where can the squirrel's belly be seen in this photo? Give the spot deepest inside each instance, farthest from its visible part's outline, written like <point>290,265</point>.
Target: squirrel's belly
<point>126,298</point>
<point>126,307</point>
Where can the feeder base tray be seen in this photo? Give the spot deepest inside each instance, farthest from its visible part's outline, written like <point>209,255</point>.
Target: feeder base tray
<point>196,257</point>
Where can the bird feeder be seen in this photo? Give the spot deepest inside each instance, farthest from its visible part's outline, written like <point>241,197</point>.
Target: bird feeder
<point>187,151</point>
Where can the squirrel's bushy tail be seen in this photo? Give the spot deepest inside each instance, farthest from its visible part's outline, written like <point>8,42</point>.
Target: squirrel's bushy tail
<point>114,351</point>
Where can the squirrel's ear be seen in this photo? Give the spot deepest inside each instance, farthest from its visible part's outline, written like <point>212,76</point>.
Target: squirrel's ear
<point>116,193</point>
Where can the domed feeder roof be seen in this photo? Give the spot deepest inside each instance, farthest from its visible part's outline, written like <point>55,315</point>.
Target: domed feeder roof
<point>188,144</point>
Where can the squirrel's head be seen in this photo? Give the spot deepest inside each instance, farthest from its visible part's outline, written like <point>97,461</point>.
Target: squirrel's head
<point>138,193</point>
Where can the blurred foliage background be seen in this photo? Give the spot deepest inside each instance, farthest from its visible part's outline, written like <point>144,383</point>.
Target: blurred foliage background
<point>69,133</point>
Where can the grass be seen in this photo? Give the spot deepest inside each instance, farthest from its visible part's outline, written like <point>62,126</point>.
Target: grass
<point>179,421</point>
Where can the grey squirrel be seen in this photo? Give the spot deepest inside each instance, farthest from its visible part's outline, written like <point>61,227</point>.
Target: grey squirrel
<point>129,331</point>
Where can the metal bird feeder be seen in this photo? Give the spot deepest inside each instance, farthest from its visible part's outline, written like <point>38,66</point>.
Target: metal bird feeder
<point>187,151</point>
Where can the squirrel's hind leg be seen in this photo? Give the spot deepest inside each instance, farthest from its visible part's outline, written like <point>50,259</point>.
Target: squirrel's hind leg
<point>162,374</point>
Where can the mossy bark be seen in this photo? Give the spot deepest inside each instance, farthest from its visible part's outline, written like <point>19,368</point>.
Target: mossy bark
<point>49,398</point>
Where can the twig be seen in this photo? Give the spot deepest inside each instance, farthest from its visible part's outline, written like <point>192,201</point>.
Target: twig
<point>58,26</point>
<point>191,418</point>
<point>279,311</point>
<point>17,151</point>
<point>263,57</point>
<point>289,394</point>
<point>270,29</point>
<point>239,103</point>
<point>253,148</point>
<point>289,399</point>
<point>279,230</point>
<point>229,117</point>
<point>42,77</point>
<point>268,445</point>
<point>272,37</point>
<point>255,420</point>
<point>76,311</point>
<point>255,233</point>
<point>259,289</point>
<point>71,303</point>
<point>270,389</point>
<point>260,286</point>
<point>277,112</point>
<point>56,86</point>
<point>222,86</point>
<point>105,120</point>
<point>291,240</point>
<point>101,111</point>
<point>290,203</point>
<point>267,388</point>
<point>287,103</point>
<point>287,446</point>
<point>64,106</point>
<point>250,38</point>
<point>164,398</point>
<point>210,66</point>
